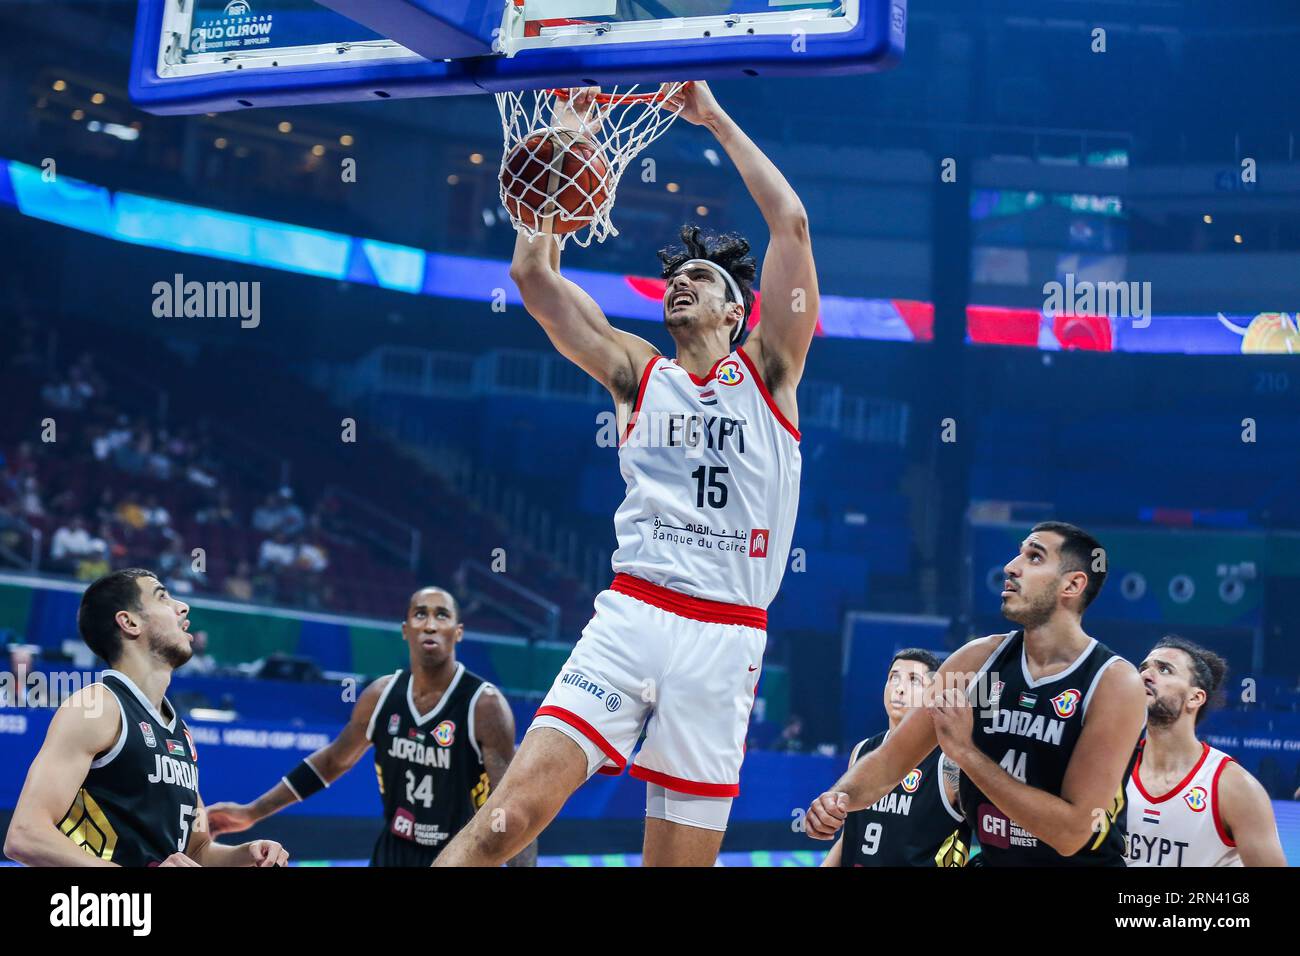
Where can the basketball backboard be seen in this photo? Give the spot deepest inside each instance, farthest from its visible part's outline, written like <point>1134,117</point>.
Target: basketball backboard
<point>212,55</point>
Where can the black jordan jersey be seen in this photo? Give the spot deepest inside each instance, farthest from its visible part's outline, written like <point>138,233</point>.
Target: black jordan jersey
<point>1029,728</point>
<point>431,774</point>
<point>912,825</point>
<point>136,806</point>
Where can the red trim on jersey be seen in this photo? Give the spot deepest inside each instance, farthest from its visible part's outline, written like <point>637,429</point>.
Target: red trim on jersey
<point>678,785</point>
<point>588,731</point>
<point>707,378</point>
<point>1137,781</point>
<point>767,396</point>
<point>640,395</point>
<point>1214,804</point>
<point>683,605</point>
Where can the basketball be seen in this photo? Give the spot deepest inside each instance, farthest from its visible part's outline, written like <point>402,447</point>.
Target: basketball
<point>555,182</point>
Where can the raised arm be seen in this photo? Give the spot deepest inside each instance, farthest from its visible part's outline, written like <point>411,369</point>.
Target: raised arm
<point>494,732</point>
<point>85,725</point>
<point>575,324</point>
<point>1082,812</point>
<point>878,772</point>
<point>791,300</point>
<point>329,763</point>
<point>1247,814</point>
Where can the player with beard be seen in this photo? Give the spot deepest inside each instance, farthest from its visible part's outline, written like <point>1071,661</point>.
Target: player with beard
<point>116,781</point>
<point>917,823</point>
<point>1045,759</point>
<point>1210,811</point>
<point>443,737</point>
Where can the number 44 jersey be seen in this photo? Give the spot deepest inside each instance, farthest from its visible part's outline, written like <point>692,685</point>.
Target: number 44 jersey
<point>431,773</point>
<point>712,473</point>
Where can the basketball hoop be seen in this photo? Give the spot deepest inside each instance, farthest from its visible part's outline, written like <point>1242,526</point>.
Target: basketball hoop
<point>560,170</point>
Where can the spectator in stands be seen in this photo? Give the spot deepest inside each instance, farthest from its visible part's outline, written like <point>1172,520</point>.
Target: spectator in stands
<point>791,739</point>
<point>311,557</point>
<point>131,514</point>
<point>266,516</point>
<point>201,662</point>
<point>29,499</point>
<point>74,543</point>
<point>240,585</point>
<point>292,520</point>
<point>277,553</point>
<point>219,512</point>
<point>176,569</point>
<point>156,516</point>
<point>132,456</point>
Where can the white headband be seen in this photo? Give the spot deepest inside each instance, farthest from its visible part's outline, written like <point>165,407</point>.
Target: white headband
<point>726,276</point>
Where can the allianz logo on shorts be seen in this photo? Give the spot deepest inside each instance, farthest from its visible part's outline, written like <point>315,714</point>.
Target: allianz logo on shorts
<point>612,700</point>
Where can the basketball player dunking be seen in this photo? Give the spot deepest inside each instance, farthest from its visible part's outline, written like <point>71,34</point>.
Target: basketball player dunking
<point>116,781</point>
<point>917,823</point>
<point>1189,804</point>
<point>1045,759</point>
<point>443,738</point>
<point>710,457</point>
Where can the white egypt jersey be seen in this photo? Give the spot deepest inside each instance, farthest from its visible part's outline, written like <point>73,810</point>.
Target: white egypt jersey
<point>712,473</point>
<point>1182,827</point>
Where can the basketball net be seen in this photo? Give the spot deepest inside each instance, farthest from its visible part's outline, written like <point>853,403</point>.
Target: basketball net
<point>618,125</point>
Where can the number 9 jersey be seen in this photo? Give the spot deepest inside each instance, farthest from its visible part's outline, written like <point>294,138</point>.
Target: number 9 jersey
<point>712,473</point>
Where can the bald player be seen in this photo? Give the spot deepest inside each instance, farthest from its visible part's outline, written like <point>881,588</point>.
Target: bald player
<point>443,737</point>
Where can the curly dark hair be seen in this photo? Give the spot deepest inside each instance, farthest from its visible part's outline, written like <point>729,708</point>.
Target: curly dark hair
<point>730,251</point>
<point>1208,669</point>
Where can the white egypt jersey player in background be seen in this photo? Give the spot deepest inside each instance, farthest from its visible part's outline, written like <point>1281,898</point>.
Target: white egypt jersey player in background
<point>1188,803</point>
<point>710,457</point>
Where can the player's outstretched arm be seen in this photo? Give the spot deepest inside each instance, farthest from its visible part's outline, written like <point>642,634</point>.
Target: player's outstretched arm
<point>878,772</point>
<point>574,322</point>
<point>791,300</point>
<point>1247,814</point>
<point>1082,813</point>
<point>494,731</point>
<point>85,725</point>
<point>204,851</point>
<point>315,773</point>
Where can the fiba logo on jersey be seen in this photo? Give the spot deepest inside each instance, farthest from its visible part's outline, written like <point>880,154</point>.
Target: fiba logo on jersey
<point>445,733</point>
<point>758,543</point>
<point>1196,798</point>
<point>394,722</point>
<point>147,731</point>
<point>1066,702</point>
<point>729,373</point>
<point>912,781</point>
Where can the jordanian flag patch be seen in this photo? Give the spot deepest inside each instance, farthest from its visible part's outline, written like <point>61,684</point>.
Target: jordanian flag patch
<point>176,748</point>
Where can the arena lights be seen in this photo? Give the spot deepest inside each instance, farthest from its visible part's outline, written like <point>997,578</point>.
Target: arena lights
<point>453,180</point>
<point>701,210</point>
<point>476,158</point>
<point>318,150</point>
<point>97,98</point>
<point>221,142</point>
<point>78,115</point>
<point>285,126</point>
<point>1207,219</point>
<point>59,86</point>
<point>346,140</point>
<point>674,188</point>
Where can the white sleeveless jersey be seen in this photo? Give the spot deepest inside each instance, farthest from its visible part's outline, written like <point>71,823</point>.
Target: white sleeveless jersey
<point>712,473</point>
<point>1182,827</point>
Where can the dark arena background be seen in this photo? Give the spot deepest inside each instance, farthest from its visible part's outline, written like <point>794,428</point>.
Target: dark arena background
<point>377,411</point>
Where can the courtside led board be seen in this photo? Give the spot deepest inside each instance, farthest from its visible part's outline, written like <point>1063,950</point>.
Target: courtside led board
<point>195,56</point>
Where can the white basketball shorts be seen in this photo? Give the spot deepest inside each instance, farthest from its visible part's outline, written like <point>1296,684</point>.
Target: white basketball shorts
<point>683,668</point>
